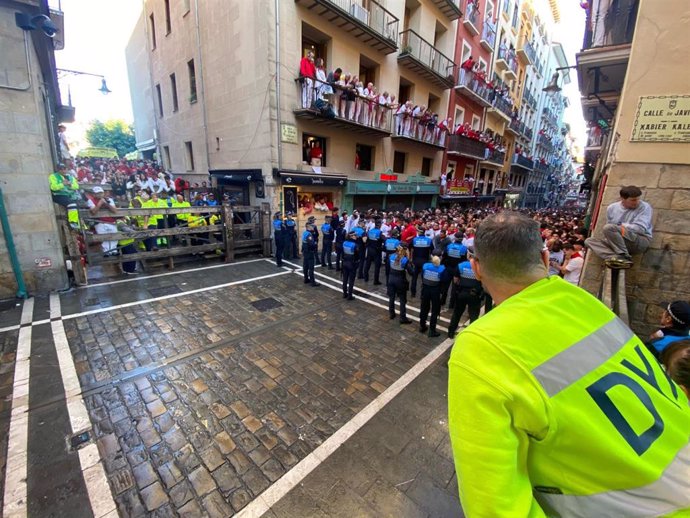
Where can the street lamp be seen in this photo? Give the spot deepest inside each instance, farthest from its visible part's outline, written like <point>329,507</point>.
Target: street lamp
<point>63,72</point>
<point>553,87</point>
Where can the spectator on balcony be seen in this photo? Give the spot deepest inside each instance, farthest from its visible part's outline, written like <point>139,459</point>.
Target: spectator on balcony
<point>628,229</point>
<point>466,71</point>
<point>323,89</point>
<point>334,80</point>
<point>368,109</point>
<point>442,130</point>
<point>307,72</point>
<point>315,154</point>
<point>400,118</point>
<point>359,102</point>
<point>351,91</point>
<point>382,106</point>
<point>342,88</point>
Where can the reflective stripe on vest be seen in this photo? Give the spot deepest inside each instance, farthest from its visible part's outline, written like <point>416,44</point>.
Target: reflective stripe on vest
<point>593,350</point>
<point>663,496</point>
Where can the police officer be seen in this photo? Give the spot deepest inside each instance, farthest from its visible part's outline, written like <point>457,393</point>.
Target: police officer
<point>433,275</point>
<point>390,246</point>
<point>469,294</point>
<point>340,236</point>
<point>279,234</point>
<point>360,239</point>
<point>327,243</point>
<point>309,250</point>
<point>291,237</point>
<point>374,247</point>
<point>400,265</point>
<point>351,259</point>
<point>455,254</point>
<point>421,252</point>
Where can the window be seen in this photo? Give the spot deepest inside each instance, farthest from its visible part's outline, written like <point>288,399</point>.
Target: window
<point>192,80</point>
<point>489,11</point>
<point>399,162</point>
<point>159,98</point>
<point>459,116</point>
<point>365,155</point>
<point>152,24</point>
<point>189,156</point>
<point>482,64</point>
<point>515,17</point>
<point>166,158</point>
<point>476,121</point>
<point>426,166</point>
<point>314,150</point>
<point>466,52</point>
<point>405,91</point>
<point>173,90</point>
<point>368,70</point>
<point>168,27</point>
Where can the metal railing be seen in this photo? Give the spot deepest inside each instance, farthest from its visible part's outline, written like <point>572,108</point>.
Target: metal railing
<point>523,161</point>
<point>529,50</point>
<point>420,129</point>
<point>375,16</point>
<point>473,82</point>
<point>502,105</point>
<point>529,133</point>
<point>362,110</point>
<point>509,57</point>
<point>414,45</point>
<point>471,13</point>
<point>610,23</point>
<point>495,156</point>
<point>466,146</point>
<point>545,142</point>
<point>529,98</point>
<point>516,126</point>
<point>489,33</point>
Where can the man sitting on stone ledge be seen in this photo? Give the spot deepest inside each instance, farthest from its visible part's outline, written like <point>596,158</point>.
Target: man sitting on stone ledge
<point>628,229</point>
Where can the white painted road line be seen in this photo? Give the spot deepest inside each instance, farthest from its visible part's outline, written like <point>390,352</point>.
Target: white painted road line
<point>173,295</point>
<point>15,505</point>
<point>188,270</point>
<point>292,478</point>
<point>100,497</point>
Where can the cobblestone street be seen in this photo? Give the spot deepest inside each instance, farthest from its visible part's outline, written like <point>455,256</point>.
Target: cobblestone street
<point>230,389</point>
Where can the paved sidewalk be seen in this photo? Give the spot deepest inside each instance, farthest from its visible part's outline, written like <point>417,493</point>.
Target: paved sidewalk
<point>203,388</point>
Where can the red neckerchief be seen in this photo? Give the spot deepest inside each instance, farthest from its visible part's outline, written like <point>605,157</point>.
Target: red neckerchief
<point>576,254</point>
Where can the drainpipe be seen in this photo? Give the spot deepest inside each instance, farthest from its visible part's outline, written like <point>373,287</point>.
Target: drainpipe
<point>201,85</point>
<point>277,75</point>
<point>11,250</point>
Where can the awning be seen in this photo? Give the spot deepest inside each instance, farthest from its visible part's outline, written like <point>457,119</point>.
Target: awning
<point>302,178</point>
<point>236,176</point>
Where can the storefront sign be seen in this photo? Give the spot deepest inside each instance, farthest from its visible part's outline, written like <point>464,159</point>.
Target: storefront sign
<point>312,179</point>
<point>663,118</point>
<point>288,133</point>
<point>388,177</point>
<point>458,191</point>
<point>373,187</point>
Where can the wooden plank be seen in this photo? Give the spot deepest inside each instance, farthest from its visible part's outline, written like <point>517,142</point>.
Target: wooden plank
<point>165,253</point>
<point>80,276</point>
<point>265,221</point>
<point>229,237</point>
<point>248,242</point>
<point>245,226</point>
<point>142,234</point>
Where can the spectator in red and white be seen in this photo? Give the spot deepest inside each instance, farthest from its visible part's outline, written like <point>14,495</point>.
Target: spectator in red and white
<point>97,201</point>
<point>572,265</point>
<point>466,71</point>
<point>307,71</point>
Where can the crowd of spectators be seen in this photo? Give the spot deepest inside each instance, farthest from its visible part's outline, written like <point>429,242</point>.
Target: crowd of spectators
<point>493,141</point>
<point>344,95</point>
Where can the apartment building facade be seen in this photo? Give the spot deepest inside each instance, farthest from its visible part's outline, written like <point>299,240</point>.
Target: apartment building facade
<point>634,93</point>
<point>228,98</point>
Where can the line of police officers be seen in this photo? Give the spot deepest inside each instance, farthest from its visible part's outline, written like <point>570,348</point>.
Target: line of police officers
<point>441,270</point>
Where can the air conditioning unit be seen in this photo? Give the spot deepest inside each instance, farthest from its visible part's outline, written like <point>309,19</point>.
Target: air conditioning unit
<point>360,13</point>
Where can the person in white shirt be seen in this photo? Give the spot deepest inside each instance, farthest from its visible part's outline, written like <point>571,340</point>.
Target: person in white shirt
<point>572,266</point>
<point>64,146</point>
<point>352,221</point>
<point>386,226</point>
<point>556,257</point>
<point>468,239</point>
<point>400,119</point>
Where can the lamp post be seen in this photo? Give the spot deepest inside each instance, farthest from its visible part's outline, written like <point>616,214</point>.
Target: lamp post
<point>64,72</point>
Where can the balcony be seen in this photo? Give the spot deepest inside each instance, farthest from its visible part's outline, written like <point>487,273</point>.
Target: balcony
<point>527,53</point>
<point>471,18</point>
<point>346,114</point>
<point>545,142</point>
<point>467,147</point>
<point>523,162</point>
<point>502,108</point>
<point>541,167</point>
<point>529,98</point>
<point>473,87</point>
<point>602,64</point>
<point>450,8</point>
<point>515,127</point>
<point>374,26</point>
<point>529,133</point>
<point>507,63</point>
<point>550,117</point>
<point>414,131</point>
<point>422,57</point>
<point>488,40</point>
<point>495,157</point>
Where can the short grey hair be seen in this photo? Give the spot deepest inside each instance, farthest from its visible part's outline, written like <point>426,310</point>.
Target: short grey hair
<point>508,245</point>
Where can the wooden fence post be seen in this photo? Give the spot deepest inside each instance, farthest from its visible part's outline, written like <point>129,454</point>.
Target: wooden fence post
<point>265,221</point>
<point>229,234</point>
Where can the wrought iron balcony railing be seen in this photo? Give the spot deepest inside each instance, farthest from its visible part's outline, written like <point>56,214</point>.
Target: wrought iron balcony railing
<point>423,53</point>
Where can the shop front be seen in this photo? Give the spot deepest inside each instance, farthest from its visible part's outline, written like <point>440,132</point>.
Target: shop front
<point>239,186</point>
<point>310,194</point>
<point>391,192</point>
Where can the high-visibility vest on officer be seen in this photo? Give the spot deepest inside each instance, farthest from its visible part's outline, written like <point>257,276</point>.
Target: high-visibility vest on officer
<point>556,408</point>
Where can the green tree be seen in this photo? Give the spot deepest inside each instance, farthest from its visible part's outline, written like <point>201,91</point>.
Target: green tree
<point>114,133</point>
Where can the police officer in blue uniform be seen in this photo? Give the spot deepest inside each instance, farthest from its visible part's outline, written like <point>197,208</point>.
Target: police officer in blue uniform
<point>351,259</point>
<point>433,275</point>
<point>390,245</point>
<point>421,252</point>
<point>309,250</point>
<point>375,241</point>
<point>455,253</point>
<point>279,234</point>
<point>360,239</point>
<point>291,237</point>
<point>327,243</point>
<point>468,294</point>
<point>397,285</point>
<point>340,236</point>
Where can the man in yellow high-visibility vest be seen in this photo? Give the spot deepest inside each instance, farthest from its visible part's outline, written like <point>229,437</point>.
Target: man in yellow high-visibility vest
<point>556,409</point>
